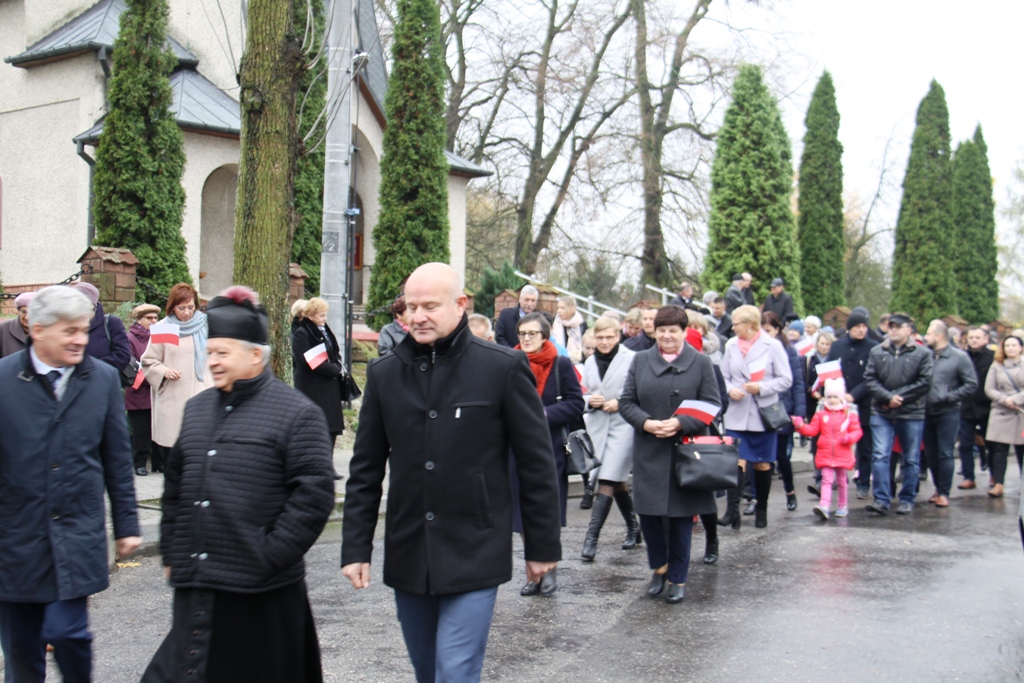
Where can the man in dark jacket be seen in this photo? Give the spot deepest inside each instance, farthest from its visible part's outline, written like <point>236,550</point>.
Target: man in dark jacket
<point>505,327</point>
<point>898,376</point>
<point>952,381</point>
<point>645,339</point>
<point>443,411</point>
<point>64,440</point>
<point>974,409</point>
<point>852,352</point>
<point>247,490</point>
<point>734,296</point>
<point>778,302</point>
<point>720,321</point>
<point>108,341</point>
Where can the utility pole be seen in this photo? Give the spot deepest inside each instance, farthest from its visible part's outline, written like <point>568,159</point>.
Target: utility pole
<point>335,260</point>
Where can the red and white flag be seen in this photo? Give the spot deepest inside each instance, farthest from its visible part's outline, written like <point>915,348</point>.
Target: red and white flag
<point>701,410</point>
<point>164,333</point>
<point>579,377</point>
<point>805,347</point>
<point>316,356</point>
<point>139,379</point>
<point>757,368</point>
<point>829,370</point>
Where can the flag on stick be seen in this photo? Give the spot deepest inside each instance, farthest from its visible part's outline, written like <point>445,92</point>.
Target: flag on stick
<point>757,368</point>
<point>139,379</point>
<point>700,410</point>
<point>805,347</point>
<point>829,370</point>
<point>579,377</point>
<point>164,333</point>
<point>316,356</point>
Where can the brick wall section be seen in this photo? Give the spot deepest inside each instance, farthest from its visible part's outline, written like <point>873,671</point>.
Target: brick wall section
<point>113,273</point>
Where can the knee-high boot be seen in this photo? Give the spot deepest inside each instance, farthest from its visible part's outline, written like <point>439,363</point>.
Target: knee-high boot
<point>762,486</point>
<point>602,504</point>
<point>710,537</point>
<point>633,536</point>
<point>732,508</point>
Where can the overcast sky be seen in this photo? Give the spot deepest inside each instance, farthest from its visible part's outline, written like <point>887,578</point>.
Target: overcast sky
<point>882,55</point>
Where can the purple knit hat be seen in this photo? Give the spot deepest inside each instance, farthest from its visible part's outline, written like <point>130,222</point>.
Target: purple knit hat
<point>89,291</point>
<point>24,299</point>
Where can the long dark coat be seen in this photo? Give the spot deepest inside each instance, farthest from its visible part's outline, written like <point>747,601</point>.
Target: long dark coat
<point>322,384</point>
<point>56,458</point>
<point>654,389</point>
<point>444,423</point>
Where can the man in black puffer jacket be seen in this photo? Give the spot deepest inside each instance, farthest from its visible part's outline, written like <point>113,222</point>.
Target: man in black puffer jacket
<point>898,377</point>
<point>248,488</point>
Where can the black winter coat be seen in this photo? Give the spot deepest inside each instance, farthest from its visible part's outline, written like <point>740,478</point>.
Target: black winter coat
<point>640,342</point>
<point>117,352</point>
<point>56,458</point>
<point>977,405</point>
<point>781,305</point>
<point>445,422</point>
<point>247,488</point>
<point>795,398</point>
<point>505,327</point>
<point>904,371</point>
<point>322,386</point>
<point>852,355</point>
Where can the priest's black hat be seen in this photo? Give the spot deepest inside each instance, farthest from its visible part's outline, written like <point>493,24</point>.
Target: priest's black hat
<point>237,314</point>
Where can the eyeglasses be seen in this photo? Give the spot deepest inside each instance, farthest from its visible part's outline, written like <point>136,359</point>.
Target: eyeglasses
<point>528,334</point>
<point>151,316</point>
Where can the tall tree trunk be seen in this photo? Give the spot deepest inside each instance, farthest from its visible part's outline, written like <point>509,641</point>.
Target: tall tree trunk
<point>265,217</point>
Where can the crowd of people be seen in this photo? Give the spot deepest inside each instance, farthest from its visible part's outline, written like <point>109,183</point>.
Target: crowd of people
<point>474,425</point>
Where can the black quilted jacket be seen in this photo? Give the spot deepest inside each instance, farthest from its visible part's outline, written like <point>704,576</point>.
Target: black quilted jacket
<point>247,488</point>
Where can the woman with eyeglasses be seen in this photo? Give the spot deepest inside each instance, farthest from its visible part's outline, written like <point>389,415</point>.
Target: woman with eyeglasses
<point>560,392</point>
<point>136,398</point>
<point>177,373</point>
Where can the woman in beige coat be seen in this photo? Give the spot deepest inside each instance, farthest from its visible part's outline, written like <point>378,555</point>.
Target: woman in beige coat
<point>1005,386</point>
<point>177,373</point>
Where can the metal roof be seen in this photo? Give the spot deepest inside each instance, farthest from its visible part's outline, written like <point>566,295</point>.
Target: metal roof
<point>374,74</point>
<point>93,29</point>
<point>465,167</point>
<point>198,105</point>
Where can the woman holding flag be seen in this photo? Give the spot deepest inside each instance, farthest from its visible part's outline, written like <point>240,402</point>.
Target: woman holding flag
<point>757,373</point>
<point>175,364</point>
<point>316,364</point>
<point>670,392</point>
<point>137,400</point>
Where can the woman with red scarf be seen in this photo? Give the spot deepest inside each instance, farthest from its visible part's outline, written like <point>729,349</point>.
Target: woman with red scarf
<point>560,392</point>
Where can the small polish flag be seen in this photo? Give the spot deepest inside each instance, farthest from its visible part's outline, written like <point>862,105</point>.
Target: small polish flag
<point>139,379</point>
<point>316,356</point>
<point>757,368</point>
<point>164,333</point>
<point>579,378</point>
<point>829,370</point>
<point>805,347</point>
<point>701,410</point>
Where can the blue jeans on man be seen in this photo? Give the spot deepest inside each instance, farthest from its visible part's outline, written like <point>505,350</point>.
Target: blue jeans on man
<point>24,637</point>
<point>446,635</point>
<point>909,432</point>
<point>940,448</point>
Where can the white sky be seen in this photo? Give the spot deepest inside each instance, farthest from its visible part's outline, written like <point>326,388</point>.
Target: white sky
<point>882,55</point>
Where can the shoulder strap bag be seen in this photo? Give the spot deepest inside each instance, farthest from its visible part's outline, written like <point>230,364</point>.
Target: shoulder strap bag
<point>579,448</point>
<point>706,463</point>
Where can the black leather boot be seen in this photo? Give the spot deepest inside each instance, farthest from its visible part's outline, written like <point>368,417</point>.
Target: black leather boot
<point>732,507</point>
<point>602,505</point>
<point>633,535</point>
<point>762,486</point>
<point>587,501</point>
<point>710,538</point>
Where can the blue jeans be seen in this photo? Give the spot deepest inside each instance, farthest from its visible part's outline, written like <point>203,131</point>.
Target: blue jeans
<point>446,635</point>
<point>940,448</point>
<point>24,640</point>
<point>909,433</point>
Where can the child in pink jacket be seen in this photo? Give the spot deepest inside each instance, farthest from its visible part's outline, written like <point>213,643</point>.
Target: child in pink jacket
<point>838,428</point>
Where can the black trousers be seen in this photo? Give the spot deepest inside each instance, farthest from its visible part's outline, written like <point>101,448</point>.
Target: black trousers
<point>143,447</point>
<point>864,446</point>
<point>1000,453</point>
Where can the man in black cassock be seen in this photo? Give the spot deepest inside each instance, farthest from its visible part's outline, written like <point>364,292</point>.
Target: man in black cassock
<point>248,488</point>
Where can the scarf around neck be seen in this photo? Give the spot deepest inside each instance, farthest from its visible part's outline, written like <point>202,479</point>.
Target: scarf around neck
<point>541,363</point>
<point>604,360</point>
<point>747,344</point>
<point>195,327</point>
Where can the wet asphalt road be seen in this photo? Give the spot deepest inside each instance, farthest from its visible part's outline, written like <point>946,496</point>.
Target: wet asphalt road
<point>936,596</point>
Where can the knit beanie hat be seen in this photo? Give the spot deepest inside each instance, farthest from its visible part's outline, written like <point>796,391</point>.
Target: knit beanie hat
<point>23,299</point>
<point>90,291</point>
<point>797,325</point>
<point>857,318</point>
<point>835,387</point>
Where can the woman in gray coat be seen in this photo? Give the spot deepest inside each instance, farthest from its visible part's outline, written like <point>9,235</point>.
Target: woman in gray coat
<point>757,372</point>
<point>660,379</point>
<point>604,376</point>
<point>1004,385</point>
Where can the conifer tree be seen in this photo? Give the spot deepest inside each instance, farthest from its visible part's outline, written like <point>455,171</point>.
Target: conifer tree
<point>412,228</point>
<point>751,227</point>
<point>922,269</point>
<point>974,251</point>
<point>820,203</point>
<point>309,167</point>
<point>138,198</point>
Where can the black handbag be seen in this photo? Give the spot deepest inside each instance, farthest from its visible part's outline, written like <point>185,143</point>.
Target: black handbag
<point>579,448</point>
<point>706,463</point>
<point>349,389</point>
<point>774,416</point>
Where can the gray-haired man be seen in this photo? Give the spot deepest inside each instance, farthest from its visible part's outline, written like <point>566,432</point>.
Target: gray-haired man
<point>505,328</point>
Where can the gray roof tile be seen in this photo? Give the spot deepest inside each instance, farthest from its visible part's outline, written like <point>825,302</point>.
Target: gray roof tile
<point>95,28</point>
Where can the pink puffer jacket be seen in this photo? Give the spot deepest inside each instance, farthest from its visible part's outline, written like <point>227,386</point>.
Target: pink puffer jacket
<point>837,432</point>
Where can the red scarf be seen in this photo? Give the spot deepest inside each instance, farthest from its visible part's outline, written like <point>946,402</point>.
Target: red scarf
<point>694,339</point>
<point>541,363</point>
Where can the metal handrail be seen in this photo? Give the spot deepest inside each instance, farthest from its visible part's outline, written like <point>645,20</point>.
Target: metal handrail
<point>665,294</point>
<point>589,300</point>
